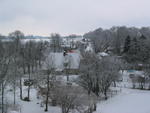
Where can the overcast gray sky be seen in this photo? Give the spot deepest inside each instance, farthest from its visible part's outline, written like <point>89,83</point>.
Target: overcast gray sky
<point>42,17</point>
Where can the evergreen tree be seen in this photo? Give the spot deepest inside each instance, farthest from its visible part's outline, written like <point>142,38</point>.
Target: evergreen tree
<point>142,37</point>
<point>143,55</point>
<point>134,47</point>
<point>127,44</point>
<point>133,51</point>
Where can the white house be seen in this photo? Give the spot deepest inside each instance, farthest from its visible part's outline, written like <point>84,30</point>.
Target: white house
<point>58,59</point>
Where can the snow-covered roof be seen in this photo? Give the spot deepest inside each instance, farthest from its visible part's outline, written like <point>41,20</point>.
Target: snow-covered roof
<point>103,54</point>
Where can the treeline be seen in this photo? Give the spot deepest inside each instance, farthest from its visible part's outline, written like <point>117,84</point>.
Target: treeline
<point>17,59</point>
<point>132,43</point>
<point>20,61</point>
<point>114,37</point>
<point>137,49</point>
<point>98,74</point>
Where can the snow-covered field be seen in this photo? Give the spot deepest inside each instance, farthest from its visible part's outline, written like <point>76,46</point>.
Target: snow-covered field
<point>34,106</point>
<point>128,101</point>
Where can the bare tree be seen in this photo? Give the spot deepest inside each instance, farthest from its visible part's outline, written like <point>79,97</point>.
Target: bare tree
<point>29,60</point>
<point>108,74</point>
<point>147,74</point>
<point>14,77</point>
<point>87,78</point>
<point>67,65</point>
<point>97,74</point>
<point>17,56</point>
<point>40,50</point>
<point>49,77</point>
<point>4,68</point>
<point>56,42</point>
<point>73,98</point>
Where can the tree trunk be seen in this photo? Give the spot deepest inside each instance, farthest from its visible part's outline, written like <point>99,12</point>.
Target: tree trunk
<point>89,91</point>
<point>32,68</point>
<point>149,86</point>
<point>105,93</point>
<point>94,107</point>
<point>14,93</point>
<point>67,74</point>
<point>28,93</point>
<point>67,78</point>
<point>29,85</point>
<point>40,63</point>
<point>114,83</point>
<point>21,88</point>
<point>64,109</point>
<point>47,94</point>
<point>2,98</point>
<point>24,70</point>
<point>24,67</point>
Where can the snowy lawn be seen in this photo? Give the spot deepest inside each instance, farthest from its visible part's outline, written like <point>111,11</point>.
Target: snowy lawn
<point>33,106</point>
<point>129,101</point>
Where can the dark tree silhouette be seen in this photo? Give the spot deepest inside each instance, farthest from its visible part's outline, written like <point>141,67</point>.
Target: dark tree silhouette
<point>127,44</point>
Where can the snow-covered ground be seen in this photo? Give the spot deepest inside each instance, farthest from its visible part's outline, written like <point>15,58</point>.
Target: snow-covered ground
<point>128,101</point>
<point>34,106</point>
